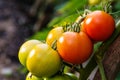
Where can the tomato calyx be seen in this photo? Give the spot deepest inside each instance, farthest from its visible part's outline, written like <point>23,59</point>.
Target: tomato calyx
<point>53,46</point>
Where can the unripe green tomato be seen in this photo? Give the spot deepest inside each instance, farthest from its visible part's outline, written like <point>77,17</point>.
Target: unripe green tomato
<point>72,76</point>
<point>32,77</point>
<point>60,77</point>
<point>53,35</point>
<point>43,61</point>
<point>94,2</point>
<point>25,49</point>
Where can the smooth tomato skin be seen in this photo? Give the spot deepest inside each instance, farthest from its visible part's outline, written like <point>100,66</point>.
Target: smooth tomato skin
<point>32,77</point>
<point>73,76</point>
<point>25,49</point>
<point>53,35</point>
<point>74,47</point>
<point>43,61</point>
<point>99,25</point>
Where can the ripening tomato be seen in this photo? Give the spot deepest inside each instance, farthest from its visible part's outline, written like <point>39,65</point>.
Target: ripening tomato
<point>32,77</point>
<point>25,49</point>
<point>43,61</point>
<point>53,35</point>
<point>74,47</point>
<point>99,25</point>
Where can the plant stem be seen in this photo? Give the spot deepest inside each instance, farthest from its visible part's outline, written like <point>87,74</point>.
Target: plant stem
<point>101,68</point>
<point>72,66</point>
<point>53,45</point>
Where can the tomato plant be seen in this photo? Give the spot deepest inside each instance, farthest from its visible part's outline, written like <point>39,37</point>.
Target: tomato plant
<point>53,35</point>
<point>32,77</point>
<point>25,49</point>
<point>67,47</point>
<point>74,47</point>
<point>99,25</point>
<point>43,61</point>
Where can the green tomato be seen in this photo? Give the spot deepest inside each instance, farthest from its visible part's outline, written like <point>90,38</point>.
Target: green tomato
<point>72,76</point>
<point>43,61</point>
<point>25,49</point>
<point>94,2</point>
<point>32,77</point>
<point>53,35</point>
<point>60,77</point>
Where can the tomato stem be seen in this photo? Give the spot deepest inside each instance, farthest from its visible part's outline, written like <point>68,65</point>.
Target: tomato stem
<point>75,27</point>
<point>53,45</point>
<point>101,68</point>
<point>87,11</point>
<point>107,5</point>
<point>72,66</point>
<point>80,19</point>
<point>81,66</point>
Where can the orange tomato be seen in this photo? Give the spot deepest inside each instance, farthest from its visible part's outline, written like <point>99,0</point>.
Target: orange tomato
<point>74,47</point>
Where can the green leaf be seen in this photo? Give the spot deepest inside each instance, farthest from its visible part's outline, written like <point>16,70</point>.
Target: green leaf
<point>60,21</point>
<point>41,35</point>
<point>118,76</point>
<point>68,20</point>
<point>71,7</point>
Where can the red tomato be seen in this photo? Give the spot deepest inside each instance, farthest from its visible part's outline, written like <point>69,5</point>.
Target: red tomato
<point>74,47</point>
<point>99,25</point>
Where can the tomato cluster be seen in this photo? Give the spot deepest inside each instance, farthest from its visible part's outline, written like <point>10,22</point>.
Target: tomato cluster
<point>45,60</point>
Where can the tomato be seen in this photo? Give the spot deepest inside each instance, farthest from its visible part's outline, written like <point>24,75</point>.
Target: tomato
<point>93,2</point>
<point>53,35</point>
<point>25,49</point>
<point>99,25</point>
<point>43,61</point>
<point>61,77</point>
<point>32,77</point>
<point>72,76</point>
<point>74,47</point>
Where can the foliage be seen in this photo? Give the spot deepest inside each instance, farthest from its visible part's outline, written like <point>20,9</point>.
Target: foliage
<point>41,35</point>
<point>67,14</point>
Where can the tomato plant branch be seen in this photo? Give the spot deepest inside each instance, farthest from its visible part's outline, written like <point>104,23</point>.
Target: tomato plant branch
<point>72,66</point>
<point>84,73</point>
<point>53,45</point>
<point>101,68</point>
